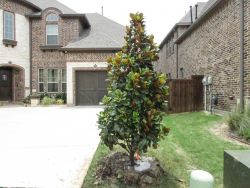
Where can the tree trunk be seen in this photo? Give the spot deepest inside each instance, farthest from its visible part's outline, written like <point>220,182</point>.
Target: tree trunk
<point>132,158</point>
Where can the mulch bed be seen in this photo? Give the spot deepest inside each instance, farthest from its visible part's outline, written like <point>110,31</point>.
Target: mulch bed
<point>223,131</point>
<point>115,169</point>
<point>235,136</point>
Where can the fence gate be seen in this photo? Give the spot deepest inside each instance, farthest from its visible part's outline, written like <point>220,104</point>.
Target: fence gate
<point>185,95</point>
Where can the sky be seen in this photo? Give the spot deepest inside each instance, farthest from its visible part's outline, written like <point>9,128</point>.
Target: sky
<point>160,15</point>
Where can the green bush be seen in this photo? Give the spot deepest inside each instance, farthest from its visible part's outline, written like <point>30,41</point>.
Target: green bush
<point>26,100</point>
<point>234,118</point>
<point>59,101</point>
<point>240,122</point>
<point>58,98</point>
<point>244,127</point>
<point>62,96</point>
<point>43,95</point>
<point>48,101</point>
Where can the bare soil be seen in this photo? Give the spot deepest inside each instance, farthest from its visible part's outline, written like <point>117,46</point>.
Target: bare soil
<point>223,131</point>
<point>115,169</point>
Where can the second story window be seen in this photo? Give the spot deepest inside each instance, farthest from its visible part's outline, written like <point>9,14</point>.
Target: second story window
<point>9,25</point>
<point>52,18</point>
<point>52,34</point>
<point>52,29</point>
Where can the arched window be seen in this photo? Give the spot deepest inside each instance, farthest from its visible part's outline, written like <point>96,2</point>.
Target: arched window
<point>52,18</point>
<point>52,29</point>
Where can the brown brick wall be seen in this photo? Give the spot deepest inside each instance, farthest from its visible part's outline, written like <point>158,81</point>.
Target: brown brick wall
<point>182,29</point>
<point>167,61</point>
<point>68,30</point>
<point>247,50</point>
<point>213,49</point>
<point>88,56</point>
<point>14,6</point>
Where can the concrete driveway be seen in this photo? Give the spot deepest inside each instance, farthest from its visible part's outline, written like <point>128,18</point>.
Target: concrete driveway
<point>46,146</point>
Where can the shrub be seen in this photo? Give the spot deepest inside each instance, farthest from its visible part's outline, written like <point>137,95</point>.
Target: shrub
<point>62,96</point>
<point>240,122</point>
<point>234,118</point>
<point>59,101</point>
<point>26,100</point>
<point>132,115</point>
<point>47,101</point>
<point>244,127</point>
<point>43,95</point>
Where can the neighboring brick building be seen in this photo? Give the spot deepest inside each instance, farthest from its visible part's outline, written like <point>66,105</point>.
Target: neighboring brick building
<point>211,46</point>
<point>168,48</point>
<point>47,47</point>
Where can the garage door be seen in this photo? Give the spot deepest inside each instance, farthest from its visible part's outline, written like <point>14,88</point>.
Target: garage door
<point>90,87</point>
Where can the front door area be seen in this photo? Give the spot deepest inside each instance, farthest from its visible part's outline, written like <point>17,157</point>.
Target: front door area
<point>5,84</point>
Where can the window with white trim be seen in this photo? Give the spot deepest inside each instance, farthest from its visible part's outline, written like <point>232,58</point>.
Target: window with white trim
<point>53,80</point>
<point>41,74</point>
<point>64,81</point>
<point>52,18</point>
<point>51,34</point>
<point>9,26</point>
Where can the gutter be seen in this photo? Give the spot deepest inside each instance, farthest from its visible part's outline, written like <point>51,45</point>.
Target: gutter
<point>242,55</point>
<point>177,56</point>
<point>30,33</point>
<point>29,4</point>
<point>197,22</point>
<point>172,30</point>
<point>66,49</point>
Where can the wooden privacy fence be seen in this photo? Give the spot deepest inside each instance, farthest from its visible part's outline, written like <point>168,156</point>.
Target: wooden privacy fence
<point>185,95</point>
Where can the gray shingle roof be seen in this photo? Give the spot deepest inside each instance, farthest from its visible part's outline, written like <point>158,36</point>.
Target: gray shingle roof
<point>209,7</point>
<point>43,4</point>
<point>186,20</point>
<point>103,34</point>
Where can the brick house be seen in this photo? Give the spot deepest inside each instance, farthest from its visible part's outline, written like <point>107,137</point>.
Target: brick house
<point>216,45</point>
<point>47,47</point>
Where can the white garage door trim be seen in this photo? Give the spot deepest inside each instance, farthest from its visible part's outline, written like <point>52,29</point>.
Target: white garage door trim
<point>72,67</point>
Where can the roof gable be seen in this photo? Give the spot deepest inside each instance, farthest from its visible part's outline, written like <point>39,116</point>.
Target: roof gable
<point>209,8</point>
<point>100,32</point>
<point>104,34</point>
<point>44,4</point>
<point>186,20</point>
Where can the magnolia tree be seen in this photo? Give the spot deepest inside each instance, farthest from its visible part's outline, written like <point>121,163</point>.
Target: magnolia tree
<point>132,115</point>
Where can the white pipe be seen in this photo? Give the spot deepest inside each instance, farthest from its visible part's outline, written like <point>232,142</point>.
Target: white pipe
<point>205,93</point>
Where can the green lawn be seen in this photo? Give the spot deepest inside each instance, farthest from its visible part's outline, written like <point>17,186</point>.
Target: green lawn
<point>189,146</point>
